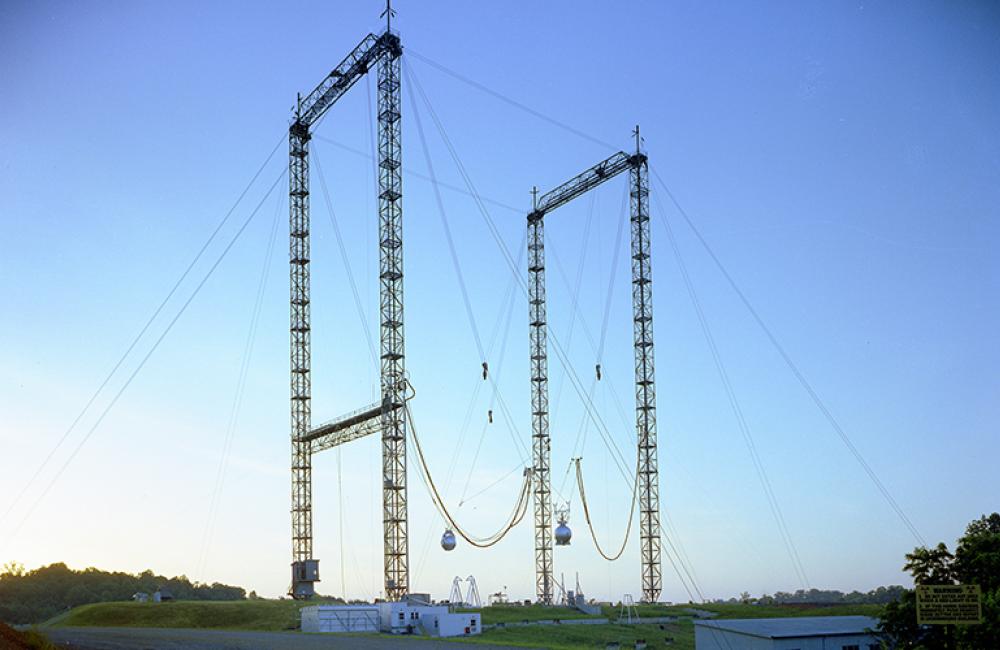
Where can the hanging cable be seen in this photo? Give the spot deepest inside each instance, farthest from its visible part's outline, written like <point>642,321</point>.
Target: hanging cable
<point>575,293</point>
<point>142,332</point>
<point>517,514</point>
<point>510,101</point>
<point>359,307</point>
<point>498,239</point>
<point>741,420</point>
<point>508,301</point>
<point>447,228</point>
<point>820,404</point>
<point>614,272</point>
<point>414,174</point>
<point>590,525</point>
<point>230,434</point>
<point>142,362</point>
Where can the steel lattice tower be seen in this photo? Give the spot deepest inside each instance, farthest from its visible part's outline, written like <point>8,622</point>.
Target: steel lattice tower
<point>394,515</point>
<point>540,407</point>
<point>387,415</point>
<point>645,386</point>
<point>645,392</point>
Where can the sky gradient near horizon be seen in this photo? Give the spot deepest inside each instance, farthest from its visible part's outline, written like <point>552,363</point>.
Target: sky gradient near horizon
<point>842,159</point>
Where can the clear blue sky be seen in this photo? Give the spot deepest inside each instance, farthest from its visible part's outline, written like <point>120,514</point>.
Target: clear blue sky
<point>841,158</point>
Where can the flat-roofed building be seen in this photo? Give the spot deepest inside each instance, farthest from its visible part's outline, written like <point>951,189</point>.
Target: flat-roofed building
<point>799,633</point>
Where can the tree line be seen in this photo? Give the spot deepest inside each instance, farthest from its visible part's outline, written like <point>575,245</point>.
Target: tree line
<point>877,596</point>
<point>36,595</point>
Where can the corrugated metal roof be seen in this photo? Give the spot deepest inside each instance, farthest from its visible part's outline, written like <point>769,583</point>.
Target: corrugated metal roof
<point>803,626</point>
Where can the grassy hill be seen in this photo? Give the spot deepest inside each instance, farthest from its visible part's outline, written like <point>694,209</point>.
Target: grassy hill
<point>279,615</point>
<point>261,615</point>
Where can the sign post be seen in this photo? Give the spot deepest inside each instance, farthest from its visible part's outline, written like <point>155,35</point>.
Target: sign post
<point>949,605</point>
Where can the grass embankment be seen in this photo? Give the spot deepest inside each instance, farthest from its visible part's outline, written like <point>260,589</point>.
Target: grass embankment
<point>521,614</point>
<point>681,633</point>
<point>259,615</point>
<point>574,637</point>
<point>278,615</point>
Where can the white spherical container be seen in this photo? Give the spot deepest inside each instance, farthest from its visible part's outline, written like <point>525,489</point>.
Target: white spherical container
<point>448,540</point>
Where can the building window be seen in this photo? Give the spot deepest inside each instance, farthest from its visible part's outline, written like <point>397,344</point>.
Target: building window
<point>850,647</point>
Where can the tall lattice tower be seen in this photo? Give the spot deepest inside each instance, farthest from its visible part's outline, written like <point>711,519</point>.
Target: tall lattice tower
<point>387,415</point>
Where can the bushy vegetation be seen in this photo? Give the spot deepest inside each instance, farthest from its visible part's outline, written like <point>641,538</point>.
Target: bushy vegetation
<point>34,596</point>
<point>976,561</point>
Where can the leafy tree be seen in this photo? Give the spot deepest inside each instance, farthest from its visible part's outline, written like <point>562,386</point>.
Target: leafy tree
<point>931,566</point>
<point>976,561</point>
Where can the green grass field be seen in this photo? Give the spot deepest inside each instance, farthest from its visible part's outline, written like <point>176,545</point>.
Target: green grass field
<point>519,614</point>
<point>260,615</point>
<point>282,615</point>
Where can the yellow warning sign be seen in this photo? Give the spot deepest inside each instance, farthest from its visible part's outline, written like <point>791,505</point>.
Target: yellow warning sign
<point>949,605</point>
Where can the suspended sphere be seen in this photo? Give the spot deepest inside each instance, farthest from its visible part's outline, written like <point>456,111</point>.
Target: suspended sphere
<point>563,534</point>
<point>448,540</point>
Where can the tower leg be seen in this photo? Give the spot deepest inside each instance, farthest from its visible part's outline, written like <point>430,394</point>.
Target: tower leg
<point>645,388</point>
<point>540,409</point>
<point>305,570</point>
<point>393,370</point>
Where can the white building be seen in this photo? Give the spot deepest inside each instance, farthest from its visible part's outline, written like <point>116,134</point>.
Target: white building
<point>800,633</point>
<point>340,618</point>
<point>393,618</point>
<point>435,620</point>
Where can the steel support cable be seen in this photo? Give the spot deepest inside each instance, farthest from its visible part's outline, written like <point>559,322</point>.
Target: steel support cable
<point>424,177</point>
<point>613,275</point>
<point>734,404</point>
<point>510,101</point>
<point>682,555</point>
<point>575,294</point>
<point>248,347</point>
<point>506,307</point>
<point>142,332</point>
<point>494,483</point>
<point>444,221</point>
<point>508,299</point>
<point>498,239</point>
<point>143,361</point>
<point>511,427</point>
<point>520,506</point>
<point>806,385</point>
<point>550,248</point>
<point>590,525</point>
<point>343,255</point>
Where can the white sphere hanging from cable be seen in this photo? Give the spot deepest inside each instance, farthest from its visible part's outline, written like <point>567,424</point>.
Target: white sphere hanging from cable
<point>563,532</point>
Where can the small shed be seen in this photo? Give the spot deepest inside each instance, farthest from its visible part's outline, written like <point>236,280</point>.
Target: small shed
<point>800,633</point>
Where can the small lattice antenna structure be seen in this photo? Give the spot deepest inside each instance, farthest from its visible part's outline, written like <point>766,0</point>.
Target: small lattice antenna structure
<point>628,615</point>
<point>472,598</point>
<point>389,14</point>
<point>455,597</point>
